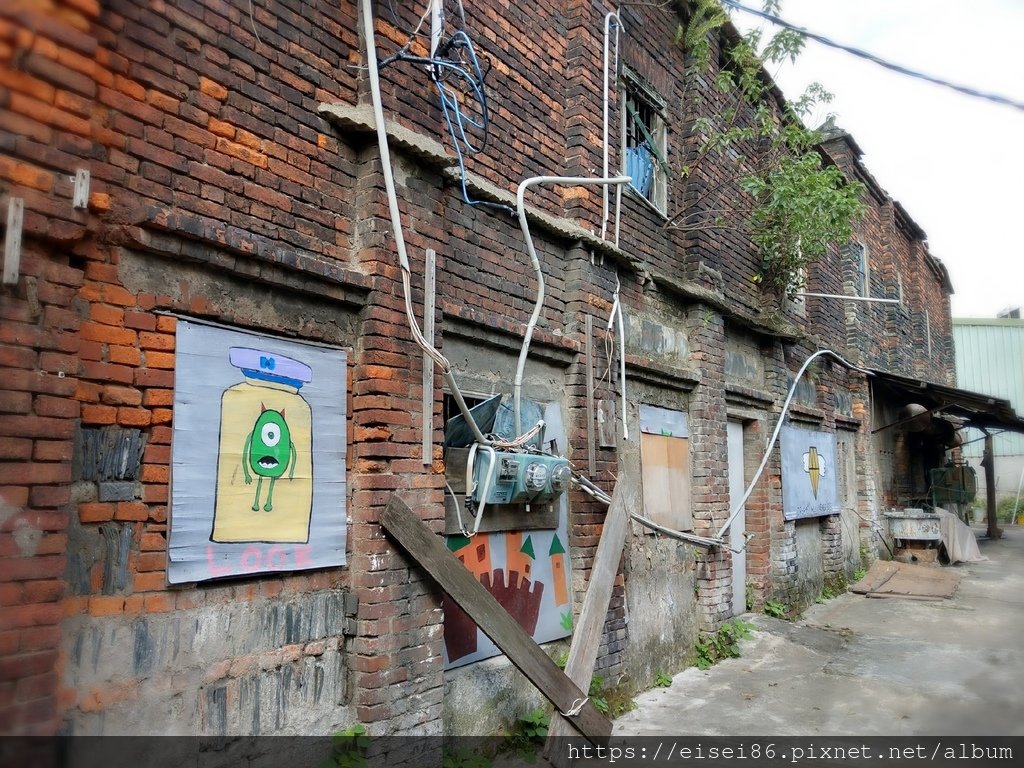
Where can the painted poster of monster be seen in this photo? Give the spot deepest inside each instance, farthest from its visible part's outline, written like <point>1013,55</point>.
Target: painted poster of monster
<point>258,455</point>
<point>526,571</point>
<point>809,475</point>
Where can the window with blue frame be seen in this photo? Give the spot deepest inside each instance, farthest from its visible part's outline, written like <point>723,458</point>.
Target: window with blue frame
<point>645,143</point>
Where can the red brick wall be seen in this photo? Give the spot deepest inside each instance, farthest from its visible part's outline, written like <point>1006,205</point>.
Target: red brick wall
<point>219,192</point>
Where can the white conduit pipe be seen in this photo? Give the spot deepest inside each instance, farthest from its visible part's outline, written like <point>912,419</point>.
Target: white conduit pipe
<point>604,168</point>
<point>592,490</point>
<point>617,313</point>
<point>848,298</point>
<point>778,428</point>
<point>587,486</point>
<point>1016,503</point>
<point>524,225</point>
<point>396,221</point>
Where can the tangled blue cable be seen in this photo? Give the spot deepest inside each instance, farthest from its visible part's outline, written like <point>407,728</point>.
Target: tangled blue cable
<point>460,124</point>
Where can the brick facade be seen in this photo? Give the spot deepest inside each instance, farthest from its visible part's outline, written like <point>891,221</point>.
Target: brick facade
<point>221,191</point>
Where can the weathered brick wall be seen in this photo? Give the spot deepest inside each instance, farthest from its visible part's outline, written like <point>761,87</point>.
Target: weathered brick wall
<point>37,427</point>
<point>892,337</point>
<point>219,192</point>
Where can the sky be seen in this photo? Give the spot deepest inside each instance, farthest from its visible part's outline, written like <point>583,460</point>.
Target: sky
<point>955,163</point>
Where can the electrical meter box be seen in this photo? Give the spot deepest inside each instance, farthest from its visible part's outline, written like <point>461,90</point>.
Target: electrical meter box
<point>519,478</point>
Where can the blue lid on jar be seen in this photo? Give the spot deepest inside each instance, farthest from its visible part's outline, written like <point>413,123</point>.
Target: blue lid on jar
<point>270,366</point>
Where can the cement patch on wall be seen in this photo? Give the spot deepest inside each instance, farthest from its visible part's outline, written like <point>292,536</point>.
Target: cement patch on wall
<point>264,667</point>
<point>810,573</point>
<point>744,362</point>
<point>486,697</point>
<point>656,337</point>
<point>661,607</point>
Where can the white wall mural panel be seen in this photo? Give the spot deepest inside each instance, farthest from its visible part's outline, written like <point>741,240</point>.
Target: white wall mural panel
<point>809,473</point>
<point>258,455</point>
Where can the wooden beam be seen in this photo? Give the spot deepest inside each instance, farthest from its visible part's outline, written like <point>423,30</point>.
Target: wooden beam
<point>586,636</point>
<point>988,461</point>
<point>428,549</point>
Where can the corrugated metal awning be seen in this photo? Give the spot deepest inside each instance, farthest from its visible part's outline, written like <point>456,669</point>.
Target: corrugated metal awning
<point>979,410</point>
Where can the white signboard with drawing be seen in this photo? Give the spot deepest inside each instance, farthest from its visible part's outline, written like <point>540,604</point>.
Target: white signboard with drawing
<point>809,473</point>
<point>258,455</point>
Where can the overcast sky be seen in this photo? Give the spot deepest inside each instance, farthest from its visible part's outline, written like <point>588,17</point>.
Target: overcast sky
<point>956,163</point>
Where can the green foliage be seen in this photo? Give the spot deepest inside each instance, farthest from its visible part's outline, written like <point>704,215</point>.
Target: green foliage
<point>619,699</point>
<point>535,725</point>
<point>612,701</point>
<point>465,759</point>
<point>706,17</point>
<point>775,609</point>
<point>527,738</point>
<point>835,585</point>
<point>566,621</point>
<point>749,596</point>
<point>562,659</point>
<point>348,748</point>
<point>860,573</point>
<point>802,207</point>
<point>595,693</point>
<point>796,206</point>
<point>1007,511</point>
<point>662,680</point>
<point>723,644</point>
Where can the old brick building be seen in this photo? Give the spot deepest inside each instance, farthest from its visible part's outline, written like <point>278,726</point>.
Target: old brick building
<point>234,182</point>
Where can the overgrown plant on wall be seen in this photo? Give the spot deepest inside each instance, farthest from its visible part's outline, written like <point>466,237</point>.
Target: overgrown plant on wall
<point>782,196</point>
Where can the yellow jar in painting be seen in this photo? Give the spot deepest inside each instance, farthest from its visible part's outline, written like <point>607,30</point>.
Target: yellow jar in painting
<point>265,457</point>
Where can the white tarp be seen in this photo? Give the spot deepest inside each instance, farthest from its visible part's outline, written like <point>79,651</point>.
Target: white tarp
<point>958,538</point>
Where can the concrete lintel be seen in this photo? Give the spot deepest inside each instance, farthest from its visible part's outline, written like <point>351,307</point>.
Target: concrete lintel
<point>263,260</point>
<point>359,119</point>
<point>427,151</point>
<point>644,369</point>
<point>544,346</point>
<point>740,395</point>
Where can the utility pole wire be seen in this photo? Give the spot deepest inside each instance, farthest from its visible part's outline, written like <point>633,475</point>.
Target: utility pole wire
<point>962,89</point>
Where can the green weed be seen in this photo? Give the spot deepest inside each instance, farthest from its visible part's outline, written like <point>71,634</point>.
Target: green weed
<point>723,644</point>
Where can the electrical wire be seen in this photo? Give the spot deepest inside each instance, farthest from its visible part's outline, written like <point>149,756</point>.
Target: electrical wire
<point>524,226</point>
<point>366,12</point>
<point>447,73</point>
<point>398,24</point>
<point>778,428</point>
<point>962,89</point>
<point>588,487</point>
<point>252,20</point>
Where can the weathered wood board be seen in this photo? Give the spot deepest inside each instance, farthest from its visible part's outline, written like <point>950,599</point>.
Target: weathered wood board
<point>428,549</point>
<point>586,636</point>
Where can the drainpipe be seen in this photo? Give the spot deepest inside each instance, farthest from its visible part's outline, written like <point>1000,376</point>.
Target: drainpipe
<point>609,19</point>
<point>370,39</point>
<point>524,225</point>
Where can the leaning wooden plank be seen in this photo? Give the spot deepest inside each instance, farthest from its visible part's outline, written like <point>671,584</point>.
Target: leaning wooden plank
<point>427,549</point>
<point>586,636</point>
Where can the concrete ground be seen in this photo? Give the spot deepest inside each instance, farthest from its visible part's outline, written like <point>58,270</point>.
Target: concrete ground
<point>859,666</point>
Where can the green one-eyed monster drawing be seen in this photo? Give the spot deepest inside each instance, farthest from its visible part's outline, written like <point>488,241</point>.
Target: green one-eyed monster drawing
<point>268,452</point>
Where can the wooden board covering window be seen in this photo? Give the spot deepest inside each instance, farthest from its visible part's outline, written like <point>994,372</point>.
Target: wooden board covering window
<point>665,472</point>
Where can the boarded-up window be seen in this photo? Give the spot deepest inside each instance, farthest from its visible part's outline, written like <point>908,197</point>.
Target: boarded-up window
<point>665,467</point>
